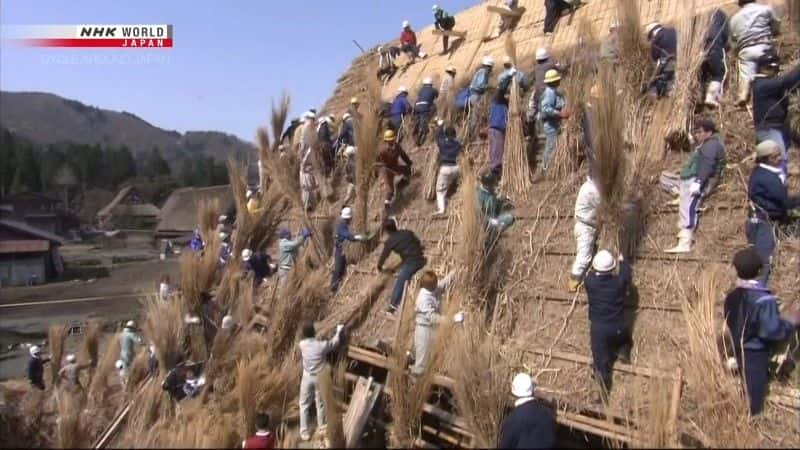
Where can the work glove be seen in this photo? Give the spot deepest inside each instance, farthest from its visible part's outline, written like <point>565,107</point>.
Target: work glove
<point>458,317</point>
<point>494,222</point>
<point>360,238</point>
<point>189,319</point>
<point>513,71</point>
<point>339,328</point>
<point>439,122</point>
<point>694,189</point>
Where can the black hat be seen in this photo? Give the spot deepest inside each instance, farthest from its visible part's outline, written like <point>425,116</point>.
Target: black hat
<point>747,263</point>
<point>489,178</point>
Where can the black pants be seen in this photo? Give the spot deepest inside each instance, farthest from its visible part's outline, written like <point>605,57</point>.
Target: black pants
<point>714,65</point>
<point>421,119</point>
<point>339,269</point>
<point>755,373</point>
<point>608,341</point>
<point>554,9</point>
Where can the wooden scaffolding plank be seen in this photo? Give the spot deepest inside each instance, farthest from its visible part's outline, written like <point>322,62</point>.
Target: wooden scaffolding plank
<point>451,33</point>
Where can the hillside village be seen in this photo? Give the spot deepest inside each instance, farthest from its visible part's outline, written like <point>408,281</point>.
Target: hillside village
<point>516,261</point>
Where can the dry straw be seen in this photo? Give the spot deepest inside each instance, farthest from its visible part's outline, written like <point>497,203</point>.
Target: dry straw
<point>471,247</point>
<point>634,63</point>
<point>516,168</point>
<point>610,160</point>
<point>163,326</point>
<point>331,394</point>
<point>208,213</point>
<point>69,433</point>
<point>91,343</point>
<point>246,386</point>
<point>56,338</point>
<point>98,389</point>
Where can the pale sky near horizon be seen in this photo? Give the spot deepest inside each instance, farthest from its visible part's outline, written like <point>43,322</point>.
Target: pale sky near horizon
<point>229,58</point>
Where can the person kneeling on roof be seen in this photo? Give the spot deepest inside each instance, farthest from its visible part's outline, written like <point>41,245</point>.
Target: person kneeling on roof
<point>491,205</point>
<point>610,337</point>
<point>755,325</point>
<point>531,424</point>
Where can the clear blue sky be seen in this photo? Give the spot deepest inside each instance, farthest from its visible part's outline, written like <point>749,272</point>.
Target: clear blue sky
<point>229,57</point>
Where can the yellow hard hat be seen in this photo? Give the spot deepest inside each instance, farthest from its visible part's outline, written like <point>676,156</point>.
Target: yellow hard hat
<point>353,100</point>
<point>389,136</point>
<point>551,76</point>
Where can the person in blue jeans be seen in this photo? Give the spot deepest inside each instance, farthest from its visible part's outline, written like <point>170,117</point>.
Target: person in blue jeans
<point>552,111</point>
<point>406,244</point>
<point>769,203</point>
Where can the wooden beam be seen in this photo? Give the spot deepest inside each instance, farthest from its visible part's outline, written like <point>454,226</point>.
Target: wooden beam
<point>454,33</point>
<point>504,11</point>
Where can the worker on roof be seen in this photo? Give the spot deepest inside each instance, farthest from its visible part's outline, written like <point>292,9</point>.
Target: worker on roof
<point>585,231</point>
<point>309,188</point>
<point>554,9</point>
<point>442,20</point>
<point>498,121</point>
<point>424,108</point>
<point>196,243</point>
<point>264,439</point>
<point>349,173</point>
<point>609,335</point>
<point>427,316</point>
<point>253,201</point>
<point>755,326</point>
<point>492,206</point>
<point>36,367</point>
<point>313,353</point>
<point>714,70</point>
<point>224,249</point>
<point>770,203</point>
<point>609,48</point>
<point>698,178</point>
<point>552,111</point>
<point>341,235</point>
<point>509,73</point>
<point>325,133</point>
<point>449,150</point>
<point>663,51</point>
<point>400,108</point>
<point>386,66</point>
<point>448,81</point>
<point>544,63</point>
<point>389,161</point>
<point>129,340</point>
<point>506,23</point>
<point>771,104</point>
<point>288,250</point>
<point>531,424</point>
<point>353,107</point>
<point>408,43</point>
<point>480,80</point>
<point>288,133</point>
<point>258,264</point>
<point>410,249</point>
<point>346,132</point>
<point>753,29</point>
<point>70,373</point>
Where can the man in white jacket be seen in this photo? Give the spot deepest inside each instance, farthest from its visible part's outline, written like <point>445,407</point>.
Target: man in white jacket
<point>752,29</point>
<point>313,353</point>
<point>585,231</point>
<point>427,315</point>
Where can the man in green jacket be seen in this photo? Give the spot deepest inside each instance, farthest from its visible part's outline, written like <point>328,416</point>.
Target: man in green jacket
<point>491,205</point>
<point>288,250</point>
<point>442,20</point>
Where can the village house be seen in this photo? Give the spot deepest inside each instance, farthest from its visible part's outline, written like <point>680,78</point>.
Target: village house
<point>28,255</point>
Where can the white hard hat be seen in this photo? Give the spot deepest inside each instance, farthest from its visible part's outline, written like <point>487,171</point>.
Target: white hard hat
<point>223,235</point>
<point>614,24</point>
<point>405,24</point>
<point>119,364</point>
<point>402,89</point>
<point>542,54</point>
<point>35,350</point>
<point>309,115</point>
<point>345,116</point>
<point>222,218</point>
<point>427,80</point>
<point>522,385</point>
<point>435,8</point>
<point>604,261</point>
<point>247,254</point>
<point>650,27</point>
<point>349,150</point>
<point>227,322</point>
<point>507,60</point>
<point>488,61</point>
<point>347,213</point>
<point>130,324</point>
<point>70,358</point>
<point>249,193</point>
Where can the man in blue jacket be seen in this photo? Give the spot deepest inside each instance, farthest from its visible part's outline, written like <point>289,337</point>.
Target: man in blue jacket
<point>449,151</point>
<point>769,203</point>
<point>531,424</point>
<point>346,133</point>
<point>754,322</point>
<point>498,120</point>
<point>714,63</point>
<point>771,103</point>
<point>480,81</point>
<point>609,335</point>
<point>399,109</point>
<point>552,111</point>
<point>423,108</point>
<point>663,51</point>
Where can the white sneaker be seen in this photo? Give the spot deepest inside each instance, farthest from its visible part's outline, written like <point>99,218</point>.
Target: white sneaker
<point>305,437</point>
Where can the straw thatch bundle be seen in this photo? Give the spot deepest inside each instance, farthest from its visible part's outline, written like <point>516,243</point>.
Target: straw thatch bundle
<point>471,249</point>
<point>56,337</point>
<point>91,342</point>
<point>68,431</point>
<point>152,405</point>
<point>163,326</point>
<point>634,63</point>
<point>246,386</point>
<point>719,414</point>
<point>208,213</point>
<point>517,172</point>
<point>481,384</point>
<point>98,389</point>
<point>138,372</point>
<point>198,275</point>
<point>332,390</point>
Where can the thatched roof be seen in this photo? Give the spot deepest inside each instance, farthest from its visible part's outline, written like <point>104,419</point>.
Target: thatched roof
<point>107,210</point>
<point>180,211</point>
<point>33,232</point>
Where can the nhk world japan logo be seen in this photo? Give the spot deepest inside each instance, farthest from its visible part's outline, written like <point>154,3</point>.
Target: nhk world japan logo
<point>89,36</point>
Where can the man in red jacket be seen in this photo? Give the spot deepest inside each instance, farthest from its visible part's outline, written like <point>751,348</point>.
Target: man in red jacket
<point>263,439</point>
<point>408,43</point>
